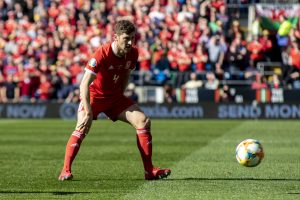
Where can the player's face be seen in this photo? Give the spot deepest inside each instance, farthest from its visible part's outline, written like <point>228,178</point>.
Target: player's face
<point>125,42</point>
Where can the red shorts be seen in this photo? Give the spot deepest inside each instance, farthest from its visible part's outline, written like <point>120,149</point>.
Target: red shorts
<point>112,107</point>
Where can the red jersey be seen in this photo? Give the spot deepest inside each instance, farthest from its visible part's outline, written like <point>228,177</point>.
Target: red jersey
<point>110,71</point>
<point>45,90</point>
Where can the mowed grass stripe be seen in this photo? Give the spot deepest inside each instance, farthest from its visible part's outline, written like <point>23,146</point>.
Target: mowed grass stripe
<point>175,187</point>
<point>212,172</point>
<point>108,165</point>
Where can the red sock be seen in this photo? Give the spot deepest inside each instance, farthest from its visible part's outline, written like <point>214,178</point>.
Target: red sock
<point>144,142</point>
<point>72,149</point>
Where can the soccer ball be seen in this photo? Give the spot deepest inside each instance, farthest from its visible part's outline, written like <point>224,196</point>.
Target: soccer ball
<point>249,153</point>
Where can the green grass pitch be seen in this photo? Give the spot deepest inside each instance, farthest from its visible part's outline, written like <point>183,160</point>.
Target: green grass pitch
<point>201,154</point>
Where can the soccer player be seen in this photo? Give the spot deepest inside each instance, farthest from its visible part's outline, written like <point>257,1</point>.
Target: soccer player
<point>101,90</point>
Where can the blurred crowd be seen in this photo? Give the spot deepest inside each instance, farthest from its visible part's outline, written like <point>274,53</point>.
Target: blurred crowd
<point>44,45</point>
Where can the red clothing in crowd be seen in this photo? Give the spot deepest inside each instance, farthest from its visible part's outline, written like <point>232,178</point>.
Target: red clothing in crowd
<point>184,61</point>
<point>172,56</point>
<point>200,60</point>
<point>295,55</point>
<point>256,50</point>
<point>266,43</point>
<point>53,11</point>
<point>75,69</point>
<point>144,59</point>
<point>26,88</point>
<point>156,55</point>
<point>10,25</point>
<point>45,90</point>
<point>217,4</point>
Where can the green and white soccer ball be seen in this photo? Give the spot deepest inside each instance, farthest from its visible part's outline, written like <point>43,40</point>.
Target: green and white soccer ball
<point>249,153</point>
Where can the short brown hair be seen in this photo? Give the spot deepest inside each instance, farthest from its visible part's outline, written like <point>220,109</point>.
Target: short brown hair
<point>124,26</point>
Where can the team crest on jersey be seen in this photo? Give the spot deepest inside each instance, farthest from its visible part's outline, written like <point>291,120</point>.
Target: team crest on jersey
<point>128,63</point>
<point>111,67</point>
<point>93,62</point>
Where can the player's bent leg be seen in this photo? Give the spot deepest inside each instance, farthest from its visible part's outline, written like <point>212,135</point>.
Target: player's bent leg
<point>73,145</point>
<point>142,123</point>
<point>135,116</point>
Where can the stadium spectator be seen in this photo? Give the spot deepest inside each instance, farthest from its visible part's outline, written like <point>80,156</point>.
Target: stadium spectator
<point>73,97</point>
<point>10,67</point>
<point>65,88</point>
<point>226,94</point>
<point>223,17</point>
<point>237,59</point>
<point>200,59</point>
<point>3,10</point>
<point>26,93</point>
<point>161,70</point>
<point>10,90</point>
<point>2,81</point>
<point>169,94</point>
<point>184,62</point>
<point>130,92</point>
<point>256,50</point>
<point>172,56</point>
<point>145,74</point>
<point>267,45</point>
<point>259,83</point>
<point>45,89</point>
<point>216,51</point>
<point>193,83</point>
<point>293,72</point>
<point>251,71</point>
<point>275,82</point>
<point>212,83</point>
<point>235,31</point>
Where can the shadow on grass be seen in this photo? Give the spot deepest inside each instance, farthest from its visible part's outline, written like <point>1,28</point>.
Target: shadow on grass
<point>43,192</point>
<point>185,179</point>
<point>233,179</point>
<point>108,179</point>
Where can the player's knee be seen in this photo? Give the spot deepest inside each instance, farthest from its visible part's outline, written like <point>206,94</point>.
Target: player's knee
<point>144,122</point>
<point>84,128</point>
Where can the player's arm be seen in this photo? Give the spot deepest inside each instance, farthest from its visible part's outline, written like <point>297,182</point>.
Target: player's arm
<point>87,79</point>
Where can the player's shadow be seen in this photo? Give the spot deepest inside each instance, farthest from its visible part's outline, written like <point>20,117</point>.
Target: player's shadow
<point>191,179</point>
<point>232,179</point>
<point>42,192</point>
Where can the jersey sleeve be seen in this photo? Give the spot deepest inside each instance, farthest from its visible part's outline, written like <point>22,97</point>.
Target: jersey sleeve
<point>94,63</point>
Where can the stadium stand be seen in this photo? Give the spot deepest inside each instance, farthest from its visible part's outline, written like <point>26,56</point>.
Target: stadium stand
<point>45,44</point>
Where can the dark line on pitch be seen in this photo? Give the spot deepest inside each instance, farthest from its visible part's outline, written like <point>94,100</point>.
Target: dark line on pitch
<point>44,192</point>
<point>232,179</point>
<point>295,193</point>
